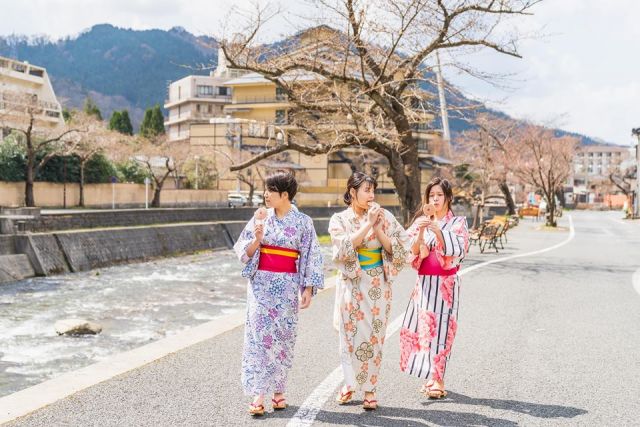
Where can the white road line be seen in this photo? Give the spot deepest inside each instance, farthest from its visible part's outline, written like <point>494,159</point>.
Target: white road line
<point>636,280</point>
<point>306,414</point>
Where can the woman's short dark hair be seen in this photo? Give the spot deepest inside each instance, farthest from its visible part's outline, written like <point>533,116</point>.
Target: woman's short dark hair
<point>356,180</point>
<point>282,181</point>
<point>446,189</point>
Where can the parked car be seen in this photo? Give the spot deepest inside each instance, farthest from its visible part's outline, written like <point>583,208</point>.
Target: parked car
<point>257,199</point>
<point>235,200</point>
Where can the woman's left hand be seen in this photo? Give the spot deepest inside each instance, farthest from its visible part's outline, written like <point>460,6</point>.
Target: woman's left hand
<point>435,229</point>
<point>305,298</point>
<point>378,226</point>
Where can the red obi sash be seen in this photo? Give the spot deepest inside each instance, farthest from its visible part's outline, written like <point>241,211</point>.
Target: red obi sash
<point>278,259</point>
<point>431,267</point>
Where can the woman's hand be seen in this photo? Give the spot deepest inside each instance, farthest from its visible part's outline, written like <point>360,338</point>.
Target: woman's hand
<point>373,214</point>
<point>379,224</point>
<point>258,231</point>
<point>305,298</point>
<point>435,229</point>
<point>423,222</point>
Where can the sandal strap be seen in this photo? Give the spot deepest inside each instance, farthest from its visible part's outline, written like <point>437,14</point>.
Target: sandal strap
<point>277,401</point>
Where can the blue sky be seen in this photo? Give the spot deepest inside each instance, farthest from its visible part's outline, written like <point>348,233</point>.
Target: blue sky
<point>582,76</point>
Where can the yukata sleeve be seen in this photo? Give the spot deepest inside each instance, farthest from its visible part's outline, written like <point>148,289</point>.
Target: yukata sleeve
<point>413,233</point>
<point>240,248</point>
<point>343,253</point>
<point>400,246</point>
<point>455,244</point>
<point>311,263</point>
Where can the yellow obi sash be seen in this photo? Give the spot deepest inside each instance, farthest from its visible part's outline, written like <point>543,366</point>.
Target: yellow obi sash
<point>370,258</point>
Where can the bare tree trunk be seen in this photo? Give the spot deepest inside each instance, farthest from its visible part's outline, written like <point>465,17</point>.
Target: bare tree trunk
<point>476,217</point>
<point>29,200</point>
<point>511,206</point>
<point>405,173</point>
<point>551,221</point>
<point>251,190</point>
<point>82,164</point>
<point>155,203</point>
<point>560,196</point>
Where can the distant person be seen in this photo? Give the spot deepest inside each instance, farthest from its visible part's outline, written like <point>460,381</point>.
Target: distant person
<point>369,249</point>
<point>284,265</point>
<point>439,243</point>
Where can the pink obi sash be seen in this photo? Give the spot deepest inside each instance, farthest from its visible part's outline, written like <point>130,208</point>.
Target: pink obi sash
<point>278,259</point>
<point>431,267</point>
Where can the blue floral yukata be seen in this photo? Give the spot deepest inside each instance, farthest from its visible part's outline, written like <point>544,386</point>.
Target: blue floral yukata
<point>272,299</point>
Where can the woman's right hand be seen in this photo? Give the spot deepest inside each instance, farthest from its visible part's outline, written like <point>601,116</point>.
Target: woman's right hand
<point>422,222</point>
<point>373,214</point>
<point>258,231</point>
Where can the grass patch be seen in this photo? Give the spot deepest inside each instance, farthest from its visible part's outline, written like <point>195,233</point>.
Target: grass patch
<point>324,239</point>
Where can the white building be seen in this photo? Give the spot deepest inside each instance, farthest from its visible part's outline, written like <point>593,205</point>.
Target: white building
<point>22,85</point>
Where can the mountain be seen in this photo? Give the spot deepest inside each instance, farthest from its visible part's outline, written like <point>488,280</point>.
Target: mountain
<point>119,68</point>
<point>130,69</point>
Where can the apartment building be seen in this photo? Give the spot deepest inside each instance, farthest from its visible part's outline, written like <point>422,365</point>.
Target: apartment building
<point>592,165</point>
<point>197,99</point>
<point>26,88</point>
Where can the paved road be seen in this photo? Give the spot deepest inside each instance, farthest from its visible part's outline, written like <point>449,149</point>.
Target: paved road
<point>551,338</point>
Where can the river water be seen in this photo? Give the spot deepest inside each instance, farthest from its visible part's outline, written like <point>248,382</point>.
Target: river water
<point>135,304</point>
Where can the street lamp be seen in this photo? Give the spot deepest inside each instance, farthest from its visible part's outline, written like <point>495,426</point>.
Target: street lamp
<point>197,158</point>
<point>636,200</point>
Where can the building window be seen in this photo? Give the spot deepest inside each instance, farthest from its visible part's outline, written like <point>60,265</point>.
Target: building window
<point>280,94</point>
<point>198,108</point>
<point>205,90</point>
<point>224,91</point>
<point>281,117</point>
<point>210,108</point>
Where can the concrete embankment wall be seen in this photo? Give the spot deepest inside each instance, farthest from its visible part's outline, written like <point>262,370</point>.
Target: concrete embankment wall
<point>72,251</point>
<point>139,217</point>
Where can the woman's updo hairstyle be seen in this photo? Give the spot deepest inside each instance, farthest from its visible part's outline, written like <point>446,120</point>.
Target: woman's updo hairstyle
<point>357,180</point>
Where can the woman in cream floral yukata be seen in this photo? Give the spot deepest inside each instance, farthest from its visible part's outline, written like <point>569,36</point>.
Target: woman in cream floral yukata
<point>369,249</point>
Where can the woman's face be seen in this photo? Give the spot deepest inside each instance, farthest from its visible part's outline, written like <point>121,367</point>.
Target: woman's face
<point>273,199</point>
<point>363,195</point>
<point>437,198</point>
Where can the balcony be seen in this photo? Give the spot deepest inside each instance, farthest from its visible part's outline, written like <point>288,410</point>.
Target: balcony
<point>277,99</point>
<point>219,99</point>
<point>22,71</point>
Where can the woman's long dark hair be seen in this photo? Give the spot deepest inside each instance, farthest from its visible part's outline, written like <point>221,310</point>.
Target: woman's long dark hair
<point>356,180</point>
<point>446,189</point>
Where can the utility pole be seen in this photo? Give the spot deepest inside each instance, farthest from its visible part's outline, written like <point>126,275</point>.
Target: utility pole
<point>446,134</point>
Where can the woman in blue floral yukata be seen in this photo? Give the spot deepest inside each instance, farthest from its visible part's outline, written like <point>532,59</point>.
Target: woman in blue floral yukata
<point>284,265</point>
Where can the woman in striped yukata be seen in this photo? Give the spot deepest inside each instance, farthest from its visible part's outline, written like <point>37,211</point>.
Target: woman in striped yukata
<point>439,242</point>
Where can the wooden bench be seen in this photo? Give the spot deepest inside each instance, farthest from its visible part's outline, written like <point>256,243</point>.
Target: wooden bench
<point>474,234</point>
<point>531,211</point>
<point>489,236</point>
